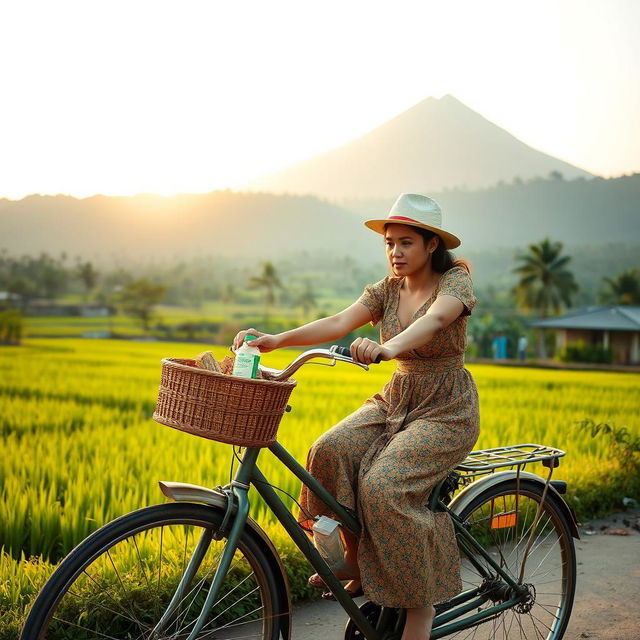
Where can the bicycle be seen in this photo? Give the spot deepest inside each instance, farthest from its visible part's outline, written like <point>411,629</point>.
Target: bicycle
<point>199,567</point>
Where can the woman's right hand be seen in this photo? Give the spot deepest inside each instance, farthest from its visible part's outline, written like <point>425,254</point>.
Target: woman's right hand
<point>265,341</point>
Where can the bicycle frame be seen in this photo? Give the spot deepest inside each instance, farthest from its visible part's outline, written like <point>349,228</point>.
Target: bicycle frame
<point>447,619</point>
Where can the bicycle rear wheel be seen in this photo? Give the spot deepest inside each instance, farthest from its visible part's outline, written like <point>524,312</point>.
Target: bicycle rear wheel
<point>119,581</point>
<point>503,521</point>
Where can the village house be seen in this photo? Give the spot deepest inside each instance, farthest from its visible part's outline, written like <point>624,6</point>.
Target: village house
<point>616,327</point>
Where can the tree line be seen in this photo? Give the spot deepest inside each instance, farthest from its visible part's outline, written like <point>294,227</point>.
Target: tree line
<point>545,286</point>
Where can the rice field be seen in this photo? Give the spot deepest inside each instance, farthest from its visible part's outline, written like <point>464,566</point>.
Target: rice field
<point>79,446</point>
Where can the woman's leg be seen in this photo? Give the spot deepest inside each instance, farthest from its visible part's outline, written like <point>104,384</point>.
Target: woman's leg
<point>334,460</point>
<point>418,623</point>
<point>408,554</point>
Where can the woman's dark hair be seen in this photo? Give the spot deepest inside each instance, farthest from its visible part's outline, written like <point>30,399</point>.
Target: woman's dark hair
<point>441,259</point>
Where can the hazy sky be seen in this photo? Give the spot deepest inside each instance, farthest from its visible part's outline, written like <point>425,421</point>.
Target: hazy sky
<point>122,97</point>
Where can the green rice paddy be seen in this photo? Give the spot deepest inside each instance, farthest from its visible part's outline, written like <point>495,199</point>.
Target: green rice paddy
<point>79,446</point>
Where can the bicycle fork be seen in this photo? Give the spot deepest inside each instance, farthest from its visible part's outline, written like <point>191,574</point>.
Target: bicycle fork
<point>237,496</point>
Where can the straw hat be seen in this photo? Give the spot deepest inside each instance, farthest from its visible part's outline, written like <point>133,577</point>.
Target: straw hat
<point>416,210</point>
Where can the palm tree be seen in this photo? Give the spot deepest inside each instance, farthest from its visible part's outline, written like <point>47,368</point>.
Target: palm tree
<point>545,285</point>
<point>89,277</point>
<point>269,281</point>
<point>624,288</point>
<point>306,299</point>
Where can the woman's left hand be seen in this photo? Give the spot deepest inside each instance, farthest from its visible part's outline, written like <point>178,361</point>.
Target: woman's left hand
<point>366,351</point>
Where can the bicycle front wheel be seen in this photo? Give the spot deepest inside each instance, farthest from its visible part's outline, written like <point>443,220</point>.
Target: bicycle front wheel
<point>118,583</point>
<point>503,520</point>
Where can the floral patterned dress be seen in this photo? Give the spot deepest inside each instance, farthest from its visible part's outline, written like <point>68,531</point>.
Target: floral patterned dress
<point>384,459</point>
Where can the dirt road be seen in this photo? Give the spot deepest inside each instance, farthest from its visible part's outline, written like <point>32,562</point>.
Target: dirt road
<point>607,604</point>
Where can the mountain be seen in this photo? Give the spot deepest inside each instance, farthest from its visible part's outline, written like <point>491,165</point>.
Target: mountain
<point>578,212</point>
<point>220,223</point>
<point>437,144</point>
<point>256,226</point>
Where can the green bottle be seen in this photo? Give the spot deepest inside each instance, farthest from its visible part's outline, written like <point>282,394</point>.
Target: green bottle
<point>247,359</point>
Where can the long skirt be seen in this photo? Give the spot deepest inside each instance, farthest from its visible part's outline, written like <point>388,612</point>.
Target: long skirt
<point>383,461</point>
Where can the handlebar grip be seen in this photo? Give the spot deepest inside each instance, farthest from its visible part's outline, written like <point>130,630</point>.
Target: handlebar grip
<point>345,351</point>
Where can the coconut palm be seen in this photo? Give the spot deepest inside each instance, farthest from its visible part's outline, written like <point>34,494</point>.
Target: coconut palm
<point>89,277</point>
<point>624,288</point>
<point>269,281</point>
<point>545,285</point>
<point>306,299</point>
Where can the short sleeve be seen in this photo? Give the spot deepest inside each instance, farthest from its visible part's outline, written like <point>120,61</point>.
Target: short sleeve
<point>373,299</point>
<point>457,283</point>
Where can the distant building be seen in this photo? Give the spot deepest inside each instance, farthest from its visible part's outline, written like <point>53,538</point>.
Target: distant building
<point>43,307</point>
<point>7,298</point>
<point>615,327</point>
<point>96,311</point>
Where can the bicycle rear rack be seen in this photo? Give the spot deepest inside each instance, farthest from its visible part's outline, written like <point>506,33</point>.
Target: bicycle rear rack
<point>518,455</point>
<point>486,461</point>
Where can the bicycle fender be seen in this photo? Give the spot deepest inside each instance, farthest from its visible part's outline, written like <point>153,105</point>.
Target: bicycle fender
<point>470,492</point>
<point>185,492</point>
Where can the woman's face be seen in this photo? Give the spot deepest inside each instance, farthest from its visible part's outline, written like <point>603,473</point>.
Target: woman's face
<point>406,249</point>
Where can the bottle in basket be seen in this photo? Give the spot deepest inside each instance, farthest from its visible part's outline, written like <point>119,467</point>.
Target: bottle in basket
<point>247,359</point>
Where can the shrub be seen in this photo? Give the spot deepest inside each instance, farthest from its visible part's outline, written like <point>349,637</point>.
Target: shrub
<point>581,352</point>
<point>11,325</point>
<point>617,475</point>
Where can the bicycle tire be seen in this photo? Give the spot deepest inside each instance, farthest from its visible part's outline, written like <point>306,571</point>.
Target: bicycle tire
<point>116,604</point>
<point>505,523</point>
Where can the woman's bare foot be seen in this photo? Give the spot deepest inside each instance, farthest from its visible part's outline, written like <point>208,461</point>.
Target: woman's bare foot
<point>347,573</point>
<point>353,586</point>
<point>418,623</point>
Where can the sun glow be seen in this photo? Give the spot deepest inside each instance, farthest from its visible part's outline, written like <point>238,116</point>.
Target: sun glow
<point>124,98</point>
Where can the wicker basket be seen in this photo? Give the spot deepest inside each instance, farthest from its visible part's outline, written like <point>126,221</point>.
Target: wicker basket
<point>220,407</point>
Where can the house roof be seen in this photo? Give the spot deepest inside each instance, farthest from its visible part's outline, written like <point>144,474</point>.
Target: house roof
<point>618,318</point>
<point>6,295</point>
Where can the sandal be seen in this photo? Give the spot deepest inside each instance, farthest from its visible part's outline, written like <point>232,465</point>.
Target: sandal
<point>316,582</point>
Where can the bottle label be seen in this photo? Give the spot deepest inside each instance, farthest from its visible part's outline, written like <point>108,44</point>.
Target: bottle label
<point>246,365</point>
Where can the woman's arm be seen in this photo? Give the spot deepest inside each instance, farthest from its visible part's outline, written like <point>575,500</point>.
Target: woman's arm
<point>440,315</point>
<point>323,330</point>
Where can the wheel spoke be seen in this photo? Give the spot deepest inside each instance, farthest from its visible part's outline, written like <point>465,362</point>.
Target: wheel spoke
<point>231,605</point>
<point>546,608</point>
<point>235,624</point>
<point>124,589</point>
<point>108,594</point>
<point>506,527</point>
<point>78,626</point>
<point>102,606</point>
<point>553,546</point>
<point>142,569</point>
<point>199,587</point>
<point>508,632</point>
<point>132,567</point>
<point>536,626</point>
<point>161,550</point>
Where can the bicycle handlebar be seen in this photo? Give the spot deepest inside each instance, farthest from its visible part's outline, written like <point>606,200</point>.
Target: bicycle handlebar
<point>343,351</point>
<point>341,354</point>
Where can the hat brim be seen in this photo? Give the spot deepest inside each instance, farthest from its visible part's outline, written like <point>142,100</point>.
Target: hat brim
<point>450,241</point>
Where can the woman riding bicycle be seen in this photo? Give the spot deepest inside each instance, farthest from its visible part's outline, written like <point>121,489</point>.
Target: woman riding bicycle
<point>384,459</point>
